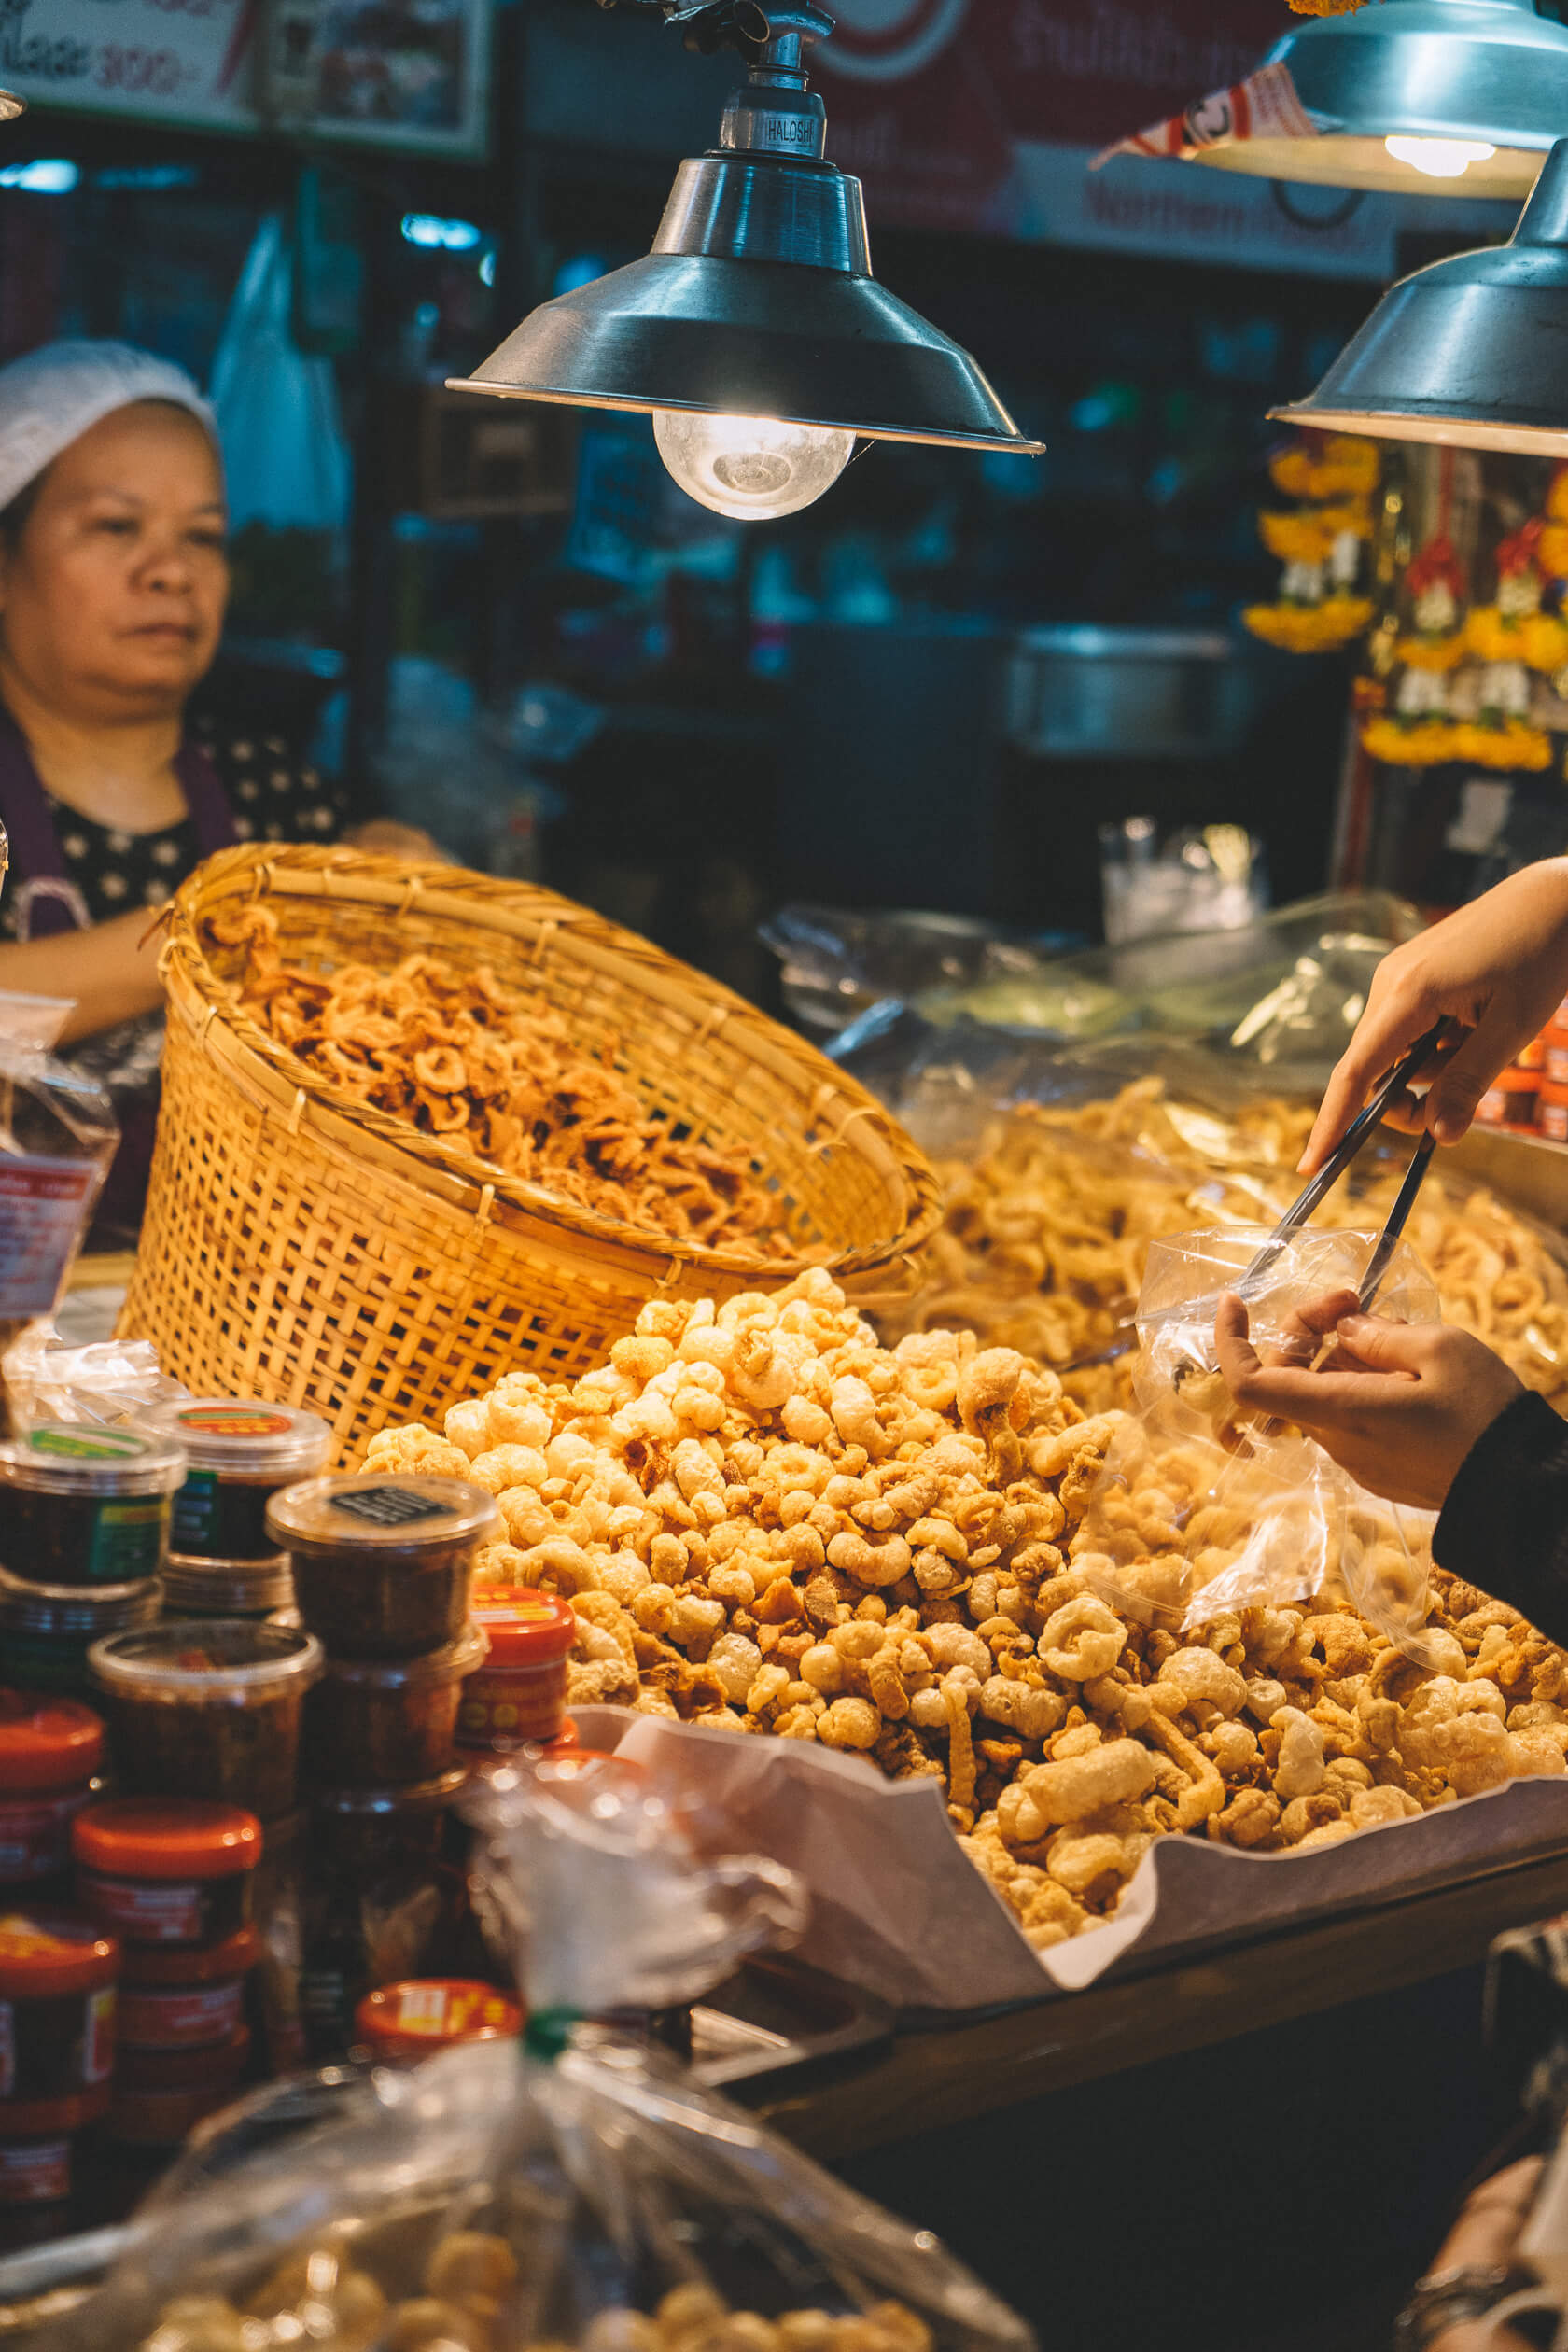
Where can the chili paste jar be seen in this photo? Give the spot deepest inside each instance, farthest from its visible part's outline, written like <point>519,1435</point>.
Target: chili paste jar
<point>87,1506</point>
<point>214,1706</point>
<point>50,1752</point>
<point>399,2023</point>
<point>383,1565</point>
<point>38,2156</point>
<point>240,1454</point>
<point>185,1997</point>
<point>383,1889</point>
<point>57,2008</point>
<point>46,1630</point>
<point>169,1870</point>
<point>383,1722</point>
<point>517,1695</point>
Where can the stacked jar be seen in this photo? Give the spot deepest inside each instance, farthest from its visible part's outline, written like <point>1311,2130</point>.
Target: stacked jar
<point>172,1879</point>
<point>58,1978</point>
<point>50,1751</point>
<point>222,1562</point>
<point>382,1566</point>
<point>517,1698</point>
<point>84,1536</point>
<point>1553,1113</point>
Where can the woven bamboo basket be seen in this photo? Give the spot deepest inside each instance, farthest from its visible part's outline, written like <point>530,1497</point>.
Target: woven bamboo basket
<point>310,1250</point>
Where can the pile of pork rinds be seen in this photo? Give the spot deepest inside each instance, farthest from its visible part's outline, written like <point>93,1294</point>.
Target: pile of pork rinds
<point>502,1076</point>
<point>768,1521</point>
<point>1049,1221</point>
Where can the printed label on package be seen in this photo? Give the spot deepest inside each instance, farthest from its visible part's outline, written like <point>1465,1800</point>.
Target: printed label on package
<point>195,1520</point>
<point>128,1541</point>
<point>386,1506</point>
<point>44,1204</point>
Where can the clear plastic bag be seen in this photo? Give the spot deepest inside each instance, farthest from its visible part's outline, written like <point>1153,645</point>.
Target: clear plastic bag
<point>503,2196</point>
<point>110,1380</point>
<point>1200,1511</point>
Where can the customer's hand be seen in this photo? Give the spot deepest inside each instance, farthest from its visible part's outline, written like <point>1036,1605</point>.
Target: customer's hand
<point>1498,967</point>
<point>1482,2239</point>
<point>1398,1406</point>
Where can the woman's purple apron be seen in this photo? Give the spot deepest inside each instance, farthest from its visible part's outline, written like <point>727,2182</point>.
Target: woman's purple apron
<point>54,904</point>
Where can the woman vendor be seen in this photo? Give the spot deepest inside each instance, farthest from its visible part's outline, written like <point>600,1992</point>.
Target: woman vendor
<point>113,583</point>
<point>1421,1413</point>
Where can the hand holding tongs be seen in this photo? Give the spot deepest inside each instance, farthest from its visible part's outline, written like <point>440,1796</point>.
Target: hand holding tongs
<point>1350,1143</point>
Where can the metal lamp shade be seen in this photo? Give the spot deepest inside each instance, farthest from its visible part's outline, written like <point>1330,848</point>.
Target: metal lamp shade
<point>756,301</point>
<point>1471,351</point>
<point>752,339</point>
<point>1488,71</point>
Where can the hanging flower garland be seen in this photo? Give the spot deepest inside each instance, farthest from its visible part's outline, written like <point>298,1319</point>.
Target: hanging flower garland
<point>1321,543</point>
<point>1419,730</point>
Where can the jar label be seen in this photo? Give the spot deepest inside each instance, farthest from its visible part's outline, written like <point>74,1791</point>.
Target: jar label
<point>158,2020</point>
<point>234,1420</point>
<point>128,1540</point>
<point>81,1445</point>
<point>35,2172</point>
<point>151,1911</point>
<point>195,1516</point>
<point>98,2039</point>
<point>385,1506</point>
<point>44,1206</point>
<point>36,1832</point>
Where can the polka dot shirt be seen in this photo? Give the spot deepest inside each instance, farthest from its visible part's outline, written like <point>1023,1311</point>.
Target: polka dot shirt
<point>271,797</point>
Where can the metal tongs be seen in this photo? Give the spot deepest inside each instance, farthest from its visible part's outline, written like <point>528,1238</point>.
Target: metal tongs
<point>1328,1175</point>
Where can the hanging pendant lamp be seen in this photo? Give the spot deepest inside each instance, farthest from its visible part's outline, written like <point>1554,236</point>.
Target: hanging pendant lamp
<point>1418,96</point>
<point>1471,351</point>
<point>754,332</point>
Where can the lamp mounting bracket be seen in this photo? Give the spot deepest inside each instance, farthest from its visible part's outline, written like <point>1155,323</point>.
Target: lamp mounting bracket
<point>770,34</point>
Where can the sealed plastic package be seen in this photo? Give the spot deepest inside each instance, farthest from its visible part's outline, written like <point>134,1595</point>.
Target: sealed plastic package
<point>1202,1511</point>
<point>575,2189</point>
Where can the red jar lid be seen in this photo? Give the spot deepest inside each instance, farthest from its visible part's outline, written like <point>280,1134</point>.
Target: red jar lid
<point>51,2118</point>
<point>46,1742</point>
<point>424,2014</point>
<point>526,1628</point>
<point>153,1968</point>
<point>166,1837</point>
<point>214,2069</point>
<point>45,1953</point>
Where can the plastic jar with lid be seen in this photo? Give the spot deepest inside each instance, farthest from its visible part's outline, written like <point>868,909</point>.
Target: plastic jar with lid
<point>399,2023</point>
<point>1555,1060</point>
<point>1551,1111</point>
<point>381,1895</point>
<point>385,1721</point>
<point>241,1453</point>
<point>58,1977</point>
<point>518,1694</point>
<point>87,1506</point>
<point>214,1706</point>
<point>161,2112</point>
<point>38,2151</point>
<point>184,1999</point>
<point>226,1588</point>
<point>50,1752</point>
<point>173,1870</point>
<point>383,1565</point>
<point>1510,1100</point>
<point>46,1630</point>
<point>212,2067</point>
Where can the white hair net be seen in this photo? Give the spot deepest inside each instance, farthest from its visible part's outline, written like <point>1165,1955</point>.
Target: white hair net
<point>53,396</point>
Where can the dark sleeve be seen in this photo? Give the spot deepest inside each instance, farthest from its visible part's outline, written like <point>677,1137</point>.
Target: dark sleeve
<point>1505,1525</point>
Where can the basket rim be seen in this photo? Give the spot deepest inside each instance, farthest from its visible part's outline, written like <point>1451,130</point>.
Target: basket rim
<point>208,1006</point>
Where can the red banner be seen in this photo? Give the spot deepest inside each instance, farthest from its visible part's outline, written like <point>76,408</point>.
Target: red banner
<point>932,99</point>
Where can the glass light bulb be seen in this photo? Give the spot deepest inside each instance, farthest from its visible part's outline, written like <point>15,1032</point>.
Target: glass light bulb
<point>751,467</point>
<point>1441,159</point>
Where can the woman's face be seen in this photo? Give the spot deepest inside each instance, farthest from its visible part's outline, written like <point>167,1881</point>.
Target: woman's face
<point>112,602</point>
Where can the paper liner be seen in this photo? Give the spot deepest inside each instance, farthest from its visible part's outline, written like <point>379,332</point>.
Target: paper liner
<point>898,1908</point>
